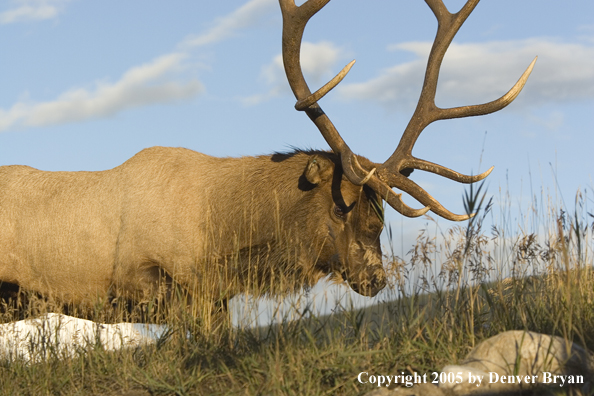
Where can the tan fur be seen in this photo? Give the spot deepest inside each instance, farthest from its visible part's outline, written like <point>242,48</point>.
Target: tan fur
<point>214,225</point>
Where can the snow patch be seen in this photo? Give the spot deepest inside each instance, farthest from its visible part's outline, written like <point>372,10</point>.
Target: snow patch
<point>49,335</point>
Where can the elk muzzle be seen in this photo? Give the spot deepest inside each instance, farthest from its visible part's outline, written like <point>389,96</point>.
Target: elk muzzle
<point>364,271</point>
<point>368,282</point>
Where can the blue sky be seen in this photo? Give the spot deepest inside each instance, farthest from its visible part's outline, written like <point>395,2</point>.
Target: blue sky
<point>85,85</point>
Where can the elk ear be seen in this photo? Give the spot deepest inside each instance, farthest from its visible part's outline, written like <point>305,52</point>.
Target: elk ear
<point>318,169</point>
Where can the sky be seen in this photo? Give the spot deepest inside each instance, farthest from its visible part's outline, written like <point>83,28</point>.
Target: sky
<point>85,85</point>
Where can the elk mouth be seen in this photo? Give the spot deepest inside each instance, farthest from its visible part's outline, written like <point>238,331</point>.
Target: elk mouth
<point>361,269</point>
<point>367,288</point>
<point>367,279</point>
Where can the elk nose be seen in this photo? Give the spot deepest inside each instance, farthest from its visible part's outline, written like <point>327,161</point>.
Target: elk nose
<point>369,288</point>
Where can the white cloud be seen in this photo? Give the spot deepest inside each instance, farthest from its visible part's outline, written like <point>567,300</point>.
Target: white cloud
<point>250,14</point>
<point>481,72</point>
<point>317,63</point>
<point>317,59</point>
<point>31,10</point>
<point>143,85</point>
<point>147,84</point>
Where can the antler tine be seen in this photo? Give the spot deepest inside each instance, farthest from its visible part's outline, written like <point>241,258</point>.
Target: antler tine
<point>427,112</point>
<point>427,166</point>
<point>490,107</point>
<point>294,21</point>
<point>394,199</point>
<point>414,190</point>
<point>303,104</point>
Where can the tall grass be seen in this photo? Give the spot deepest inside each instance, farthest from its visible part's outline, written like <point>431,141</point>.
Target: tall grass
<point>456,287</point>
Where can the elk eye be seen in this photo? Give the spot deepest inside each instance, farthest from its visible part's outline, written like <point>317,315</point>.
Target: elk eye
<point>339,212</point>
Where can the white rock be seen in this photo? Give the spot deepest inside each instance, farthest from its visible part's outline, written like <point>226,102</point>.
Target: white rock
<point>529,353</point>
<point>517,360</point>
<point>60,335</point>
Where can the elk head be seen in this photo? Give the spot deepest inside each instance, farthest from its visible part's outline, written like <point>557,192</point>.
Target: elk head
<point>394,172</point>
<point>346,223</point>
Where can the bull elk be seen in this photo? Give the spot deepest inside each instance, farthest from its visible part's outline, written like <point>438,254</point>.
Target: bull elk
<point>216,227</point>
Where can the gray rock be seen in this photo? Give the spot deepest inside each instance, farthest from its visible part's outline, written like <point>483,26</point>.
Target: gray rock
<point>511,362</point>
<point>527,353</point>
<point>517,360</point>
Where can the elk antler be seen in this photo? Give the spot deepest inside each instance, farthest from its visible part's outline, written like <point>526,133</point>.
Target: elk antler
<point>390,173</point>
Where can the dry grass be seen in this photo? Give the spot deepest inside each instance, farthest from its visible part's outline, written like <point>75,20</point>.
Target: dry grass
<point>457,288</point>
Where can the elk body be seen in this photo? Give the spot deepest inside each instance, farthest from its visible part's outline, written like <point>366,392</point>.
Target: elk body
<point>220,226</point>
<point>215,226</point>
